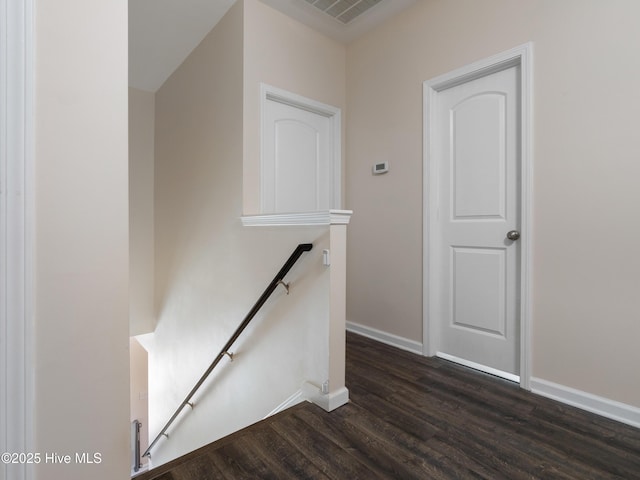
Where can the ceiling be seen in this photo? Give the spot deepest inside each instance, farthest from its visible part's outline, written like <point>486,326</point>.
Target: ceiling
<point>162,33</point>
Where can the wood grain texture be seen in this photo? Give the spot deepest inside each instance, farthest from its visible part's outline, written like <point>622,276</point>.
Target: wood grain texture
<point>412,417</point>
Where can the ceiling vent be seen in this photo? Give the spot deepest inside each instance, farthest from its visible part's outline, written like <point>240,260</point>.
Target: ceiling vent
<point>344,11</point>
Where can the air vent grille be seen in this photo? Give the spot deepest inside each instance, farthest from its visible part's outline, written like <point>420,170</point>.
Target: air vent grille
<point>344,10</point>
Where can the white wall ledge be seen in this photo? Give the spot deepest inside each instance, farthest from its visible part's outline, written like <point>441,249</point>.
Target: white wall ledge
<point>325,217</point>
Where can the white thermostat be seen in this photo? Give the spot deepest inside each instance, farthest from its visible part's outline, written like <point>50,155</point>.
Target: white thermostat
<point>380,168</point>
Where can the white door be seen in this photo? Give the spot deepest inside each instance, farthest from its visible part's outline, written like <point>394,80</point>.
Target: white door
<point>474,254</point>
<point>297,159</point>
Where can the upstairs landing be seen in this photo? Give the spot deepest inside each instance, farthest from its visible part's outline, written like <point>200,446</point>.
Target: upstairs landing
<point>419,418</point>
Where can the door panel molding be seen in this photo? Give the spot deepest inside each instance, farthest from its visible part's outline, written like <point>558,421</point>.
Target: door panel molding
<point>466,170</point>
<point>491,320</point>
<point>521,56</point>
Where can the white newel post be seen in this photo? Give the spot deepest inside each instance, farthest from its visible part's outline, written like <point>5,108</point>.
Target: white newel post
<point>338,394</point>
<point>332,393</point>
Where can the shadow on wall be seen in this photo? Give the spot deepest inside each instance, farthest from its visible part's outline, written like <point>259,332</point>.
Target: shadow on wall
<point>284,346</point>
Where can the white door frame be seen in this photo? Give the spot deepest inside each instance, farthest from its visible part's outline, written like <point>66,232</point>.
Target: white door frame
<point>521,56</point>
<point>16,233</point>
<point>334,114</point>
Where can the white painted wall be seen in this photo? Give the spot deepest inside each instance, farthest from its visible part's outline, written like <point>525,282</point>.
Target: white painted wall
<point>141,243</point>
<point>210,270</point>
<point>585,282</point>
<point>81,250</point>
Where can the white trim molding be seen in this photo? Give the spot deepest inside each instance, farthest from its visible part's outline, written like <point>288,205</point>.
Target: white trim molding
<point>327,401</point>
<point>605,407</point>
<point>16,233</point>
<point>521,56</point>
<point>481,368</point>
<point>326,217</point>
<point>296,398</point>
<point>386,338</point>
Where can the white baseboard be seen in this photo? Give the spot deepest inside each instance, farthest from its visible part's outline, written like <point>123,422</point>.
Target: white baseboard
<point>328,401</point>
<point>387,338</point>
<point>296,398</point>
<point>605,407</point>
<point>311,393</point>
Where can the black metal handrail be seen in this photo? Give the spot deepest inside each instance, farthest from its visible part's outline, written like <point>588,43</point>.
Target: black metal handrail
<point>277,280</point>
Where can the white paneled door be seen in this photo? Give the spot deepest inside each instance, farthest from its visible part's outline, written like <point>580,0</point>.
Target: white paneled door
<point>300,155</point>
<point>474,254</point>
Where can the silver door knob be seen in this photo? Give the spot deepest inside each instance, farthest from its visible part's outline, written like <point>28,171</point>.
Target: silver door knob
<point>513,235</point>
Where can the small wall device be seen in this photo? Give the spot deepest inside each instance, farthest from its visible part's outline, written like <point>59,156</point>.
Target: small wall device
<point>380,168</point>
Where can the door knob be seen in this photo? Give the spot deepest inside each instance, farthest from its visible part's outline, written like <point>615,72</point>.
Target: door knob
<point>513,235</point>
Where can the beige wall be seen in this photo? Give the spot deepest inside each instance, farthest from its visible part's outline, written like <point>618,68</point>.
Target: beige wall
<point>210,270</point>
<point>141,244</point>
<point>585,281</point>
<point>283,53</point>
<point>81,237</point>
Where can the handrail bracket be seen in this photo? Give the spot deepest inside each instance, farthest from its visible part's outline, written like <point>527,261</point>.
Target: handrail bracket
<point>285,285</point>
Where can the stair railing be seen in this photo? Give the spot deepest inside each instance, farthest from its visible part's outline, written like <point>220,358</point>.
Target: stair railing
<point>277,280</point>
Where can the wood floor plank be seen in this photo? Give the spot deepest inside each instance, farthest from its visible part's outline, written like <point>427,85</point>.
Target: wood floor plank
<point>432,464</point>
<point>330,455</point>
<point>280,457</point>
<point>485,433</point>
<point>231,463</point>
<point>375,448</point>
<point>471,440</point>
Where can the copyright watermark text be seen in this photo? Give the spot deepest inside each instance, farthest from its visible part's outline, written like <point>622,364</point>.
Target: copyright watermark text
<point>77,458</point>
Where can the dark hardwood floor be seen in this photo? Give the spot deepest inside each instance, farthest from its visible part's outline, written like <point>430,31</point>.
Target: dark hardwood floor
<point>412,417</point>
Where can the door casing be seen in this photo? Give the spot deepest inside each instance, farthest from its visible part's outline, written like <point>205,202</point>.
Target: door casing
<point>17,233</point>
<point>521,56</point>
